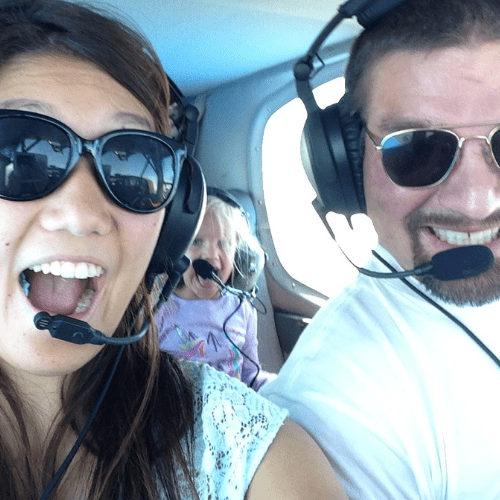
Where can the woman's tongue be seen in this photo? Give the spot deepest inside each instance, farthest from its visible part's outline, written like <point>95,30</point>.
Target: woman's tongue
<point>54,294</point>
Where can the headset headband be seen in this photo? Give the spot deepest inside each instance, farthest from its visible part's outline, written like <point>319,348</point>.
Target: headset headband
<point>228,198</point>
<point>367,13</point>
<point>187,120</point>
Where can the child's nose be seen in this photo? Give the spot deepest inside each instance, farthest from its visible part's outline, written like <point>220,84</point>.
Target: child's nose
<point>213,253</point>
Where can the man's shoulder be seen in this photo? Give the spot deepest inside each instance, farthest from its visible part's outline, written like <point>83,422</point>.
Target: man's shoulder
<point>366,323</point>
<point>363,298</point>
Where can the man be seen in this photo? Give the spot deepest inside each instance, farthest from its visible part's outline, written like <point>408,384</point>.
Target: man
<point>400,384</point>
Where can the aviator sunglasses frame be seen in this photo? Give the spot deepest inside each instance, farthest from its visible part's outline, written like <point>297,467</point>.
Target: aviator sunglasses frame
<point>80,146</point>
<point>382,147</point>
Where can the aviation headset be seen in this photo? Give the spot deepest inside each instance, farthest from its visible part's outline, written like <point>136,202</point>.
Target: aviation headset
<point>332,137</point>
<point>250,257</point>
<point>184,214</point>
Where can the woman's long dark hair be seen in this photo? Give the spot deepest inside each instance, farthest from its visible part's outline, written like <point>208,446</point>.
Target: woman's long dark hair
<point>141,438</point>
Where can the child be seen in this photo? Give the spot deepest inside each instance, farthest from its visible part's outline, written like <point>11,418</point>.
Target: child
<point>201,323</point>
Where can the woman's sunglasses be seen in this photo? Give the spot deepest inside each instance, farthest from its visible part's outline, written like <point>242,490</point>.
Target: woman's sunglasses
<point>138,169</point>
<point>425,157</point>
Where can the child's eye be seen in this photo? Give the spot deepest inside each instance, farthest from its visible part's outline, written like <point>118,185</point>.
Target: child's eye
<point>196,242</point>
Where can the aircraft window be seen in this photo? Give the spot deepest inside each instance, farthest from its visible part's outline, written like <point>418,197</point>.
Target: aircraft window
<point>303,245</point>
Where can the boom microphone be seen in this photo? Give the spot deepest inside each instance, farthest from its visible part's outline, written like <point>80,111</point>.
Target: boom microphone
<point>454,264</point>
<point>78,332</point>
<point>205,270</point>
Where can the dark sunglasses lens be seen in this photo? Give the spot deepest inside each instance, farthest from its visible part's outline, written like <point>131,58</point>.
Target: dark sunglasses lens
<point>419,158</point>
<point>495,145</point>
<point>34,156</point>
<point>139,170</point>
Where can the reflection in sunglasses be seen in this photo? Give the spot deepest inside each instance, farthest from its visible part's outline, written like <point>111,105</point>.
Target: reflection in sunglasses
<point>138,169</point>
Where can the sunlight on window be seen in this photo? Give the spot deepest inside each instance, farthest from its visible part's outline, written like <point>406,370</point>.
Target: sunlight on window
<point>304,247</point>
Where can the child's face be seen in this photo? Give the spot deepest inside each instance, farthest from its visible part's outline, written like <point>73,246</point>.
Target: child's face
<point>218,248</point>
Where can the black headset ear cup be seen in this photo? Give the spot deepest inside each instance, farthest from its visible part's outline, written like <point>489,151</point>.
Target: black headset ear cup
<point>352,133</point>
<point>332,159</point>
<point>182,221</point>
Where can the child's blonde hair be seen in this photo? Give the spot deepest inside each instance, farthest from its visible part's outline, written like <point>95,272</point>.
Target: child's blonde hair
<point>233,223</point>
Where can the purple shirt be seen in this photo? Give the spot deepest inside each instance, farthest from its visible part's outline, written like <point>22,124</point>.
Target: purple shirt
<point>192,329</point>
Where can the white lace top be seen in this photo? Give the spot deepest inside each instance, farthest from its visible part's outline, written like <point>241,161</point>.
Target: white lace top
<point>233,430</point>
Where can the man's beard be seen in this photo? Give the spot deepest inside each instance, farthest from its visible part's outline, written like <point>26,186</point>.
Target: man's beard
<point>475,291</point>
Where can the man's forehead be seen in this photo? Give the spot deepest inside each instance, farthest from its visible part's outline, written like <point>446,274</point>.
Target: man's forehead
<point>408,89</point>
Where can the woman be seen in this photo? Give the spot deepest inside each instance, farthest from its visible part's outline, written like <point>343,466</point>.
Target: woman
<point>87,184</point>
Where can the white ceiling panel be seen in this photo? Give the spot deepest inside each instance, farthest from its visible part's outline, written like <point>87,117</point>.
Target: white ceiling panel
<point>204,43</point>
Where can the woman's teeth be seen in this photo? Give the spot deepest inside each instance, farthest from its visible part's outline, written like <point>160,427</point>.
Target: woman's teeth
<point>462,238</point>
<point>64,269</point>
<point>85,300</point>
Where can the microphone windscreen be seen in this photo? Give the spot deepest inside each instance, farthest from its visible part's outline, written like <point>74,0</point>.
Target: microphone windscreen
<point>461,262</point>
<point>204,269</point>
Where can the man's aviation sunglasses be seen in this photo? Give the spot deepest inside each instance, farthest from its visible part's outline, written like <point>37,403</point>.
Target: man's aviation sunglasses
<point>138,169</point>
<point>424,157</point>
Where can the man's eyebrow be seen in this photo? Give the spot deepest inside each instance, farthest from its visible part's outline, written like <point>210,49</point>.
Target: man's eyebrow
<point>389,125</point>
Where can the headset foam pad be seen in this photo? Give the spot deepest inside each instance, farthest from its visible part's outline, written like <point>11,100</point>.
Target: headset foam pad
<point>353,137</point>
<point>182,220</point>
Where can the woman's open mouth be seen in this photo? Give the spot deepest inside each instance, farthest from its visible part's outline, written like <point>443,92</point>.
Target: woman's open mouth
<point>61,287</point>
